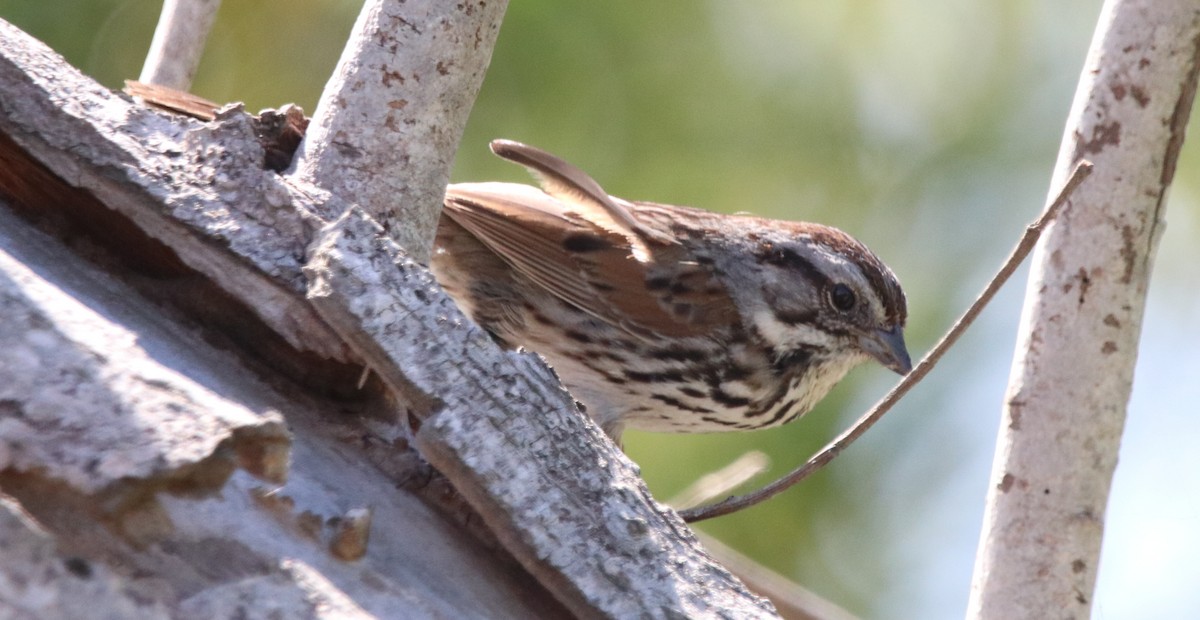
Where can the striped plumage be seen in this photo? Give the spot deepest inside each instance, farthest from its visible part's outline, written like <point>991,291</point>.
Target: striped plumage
<point>666,318</point>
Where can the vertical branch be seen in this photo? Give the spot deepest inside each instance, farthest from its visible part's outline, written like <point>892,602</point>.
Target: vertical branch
<point>1077,344</point>
<point>388,124</point>
<point>178,42</point>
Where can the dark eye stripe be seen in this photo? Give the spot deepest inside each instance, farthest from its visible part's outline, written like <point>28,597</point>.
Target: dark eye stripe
<point>788,259</point>
<point>883,284</point>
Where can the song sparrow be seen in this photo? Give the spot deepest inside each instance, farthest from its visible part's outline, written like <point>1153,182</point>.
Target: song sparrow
<point>666,318</point>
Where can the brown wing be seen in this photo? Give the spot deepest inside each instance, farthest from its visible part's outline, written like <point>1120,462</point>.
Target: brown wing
<point>593,267</point>
<point>578,191</point>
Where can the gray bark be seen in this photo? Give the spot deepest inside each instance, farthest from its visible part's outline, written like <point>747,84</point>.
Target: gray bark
<point>388,124</point>
<point>173,357</point>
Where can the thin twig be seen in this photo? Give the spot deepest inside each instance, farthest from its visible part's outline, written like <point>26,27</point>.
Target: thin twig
<point>820,459</point>
<point>178,42</point>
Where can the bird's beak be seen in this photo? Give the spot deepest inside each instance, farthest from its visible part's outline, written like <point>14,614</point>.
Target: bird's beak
<point>887,346</point>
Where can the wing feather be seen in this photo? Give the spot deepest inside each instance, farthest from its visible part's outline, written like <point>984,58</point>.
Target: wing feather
<point>519,224</point>
<point>579,191</point>
<point>592,250</point>
<point>531,231</point>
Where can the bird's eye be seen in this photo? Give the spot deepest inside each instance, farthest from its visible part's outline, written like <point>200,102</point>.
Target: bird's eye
<point>842,297</point>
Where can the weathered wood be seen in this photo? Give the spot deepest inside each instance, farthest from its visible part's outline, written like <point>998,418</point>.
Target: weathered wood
<point>93,389</point>
<point>37,582</point>
<point>120,432</point>
<point>192,186</point>
<point>175,204</point>
<point>562,498</point>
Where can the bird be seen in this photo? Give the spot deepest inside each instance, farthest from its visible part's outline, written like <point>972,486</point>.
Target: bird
<point>665,318</point>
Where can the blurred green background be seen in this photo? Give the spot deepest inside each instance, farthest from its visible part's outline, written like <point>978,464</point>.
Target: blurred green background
<point>926,128</point>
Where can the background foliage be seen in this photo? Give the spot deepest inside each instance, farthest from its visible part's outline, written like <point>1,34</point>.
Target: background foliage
<point>927,128</point>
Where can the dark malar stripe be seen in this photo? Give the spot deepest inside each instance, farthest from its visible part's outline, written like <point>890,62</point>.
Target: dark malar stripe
<point>789,360</point>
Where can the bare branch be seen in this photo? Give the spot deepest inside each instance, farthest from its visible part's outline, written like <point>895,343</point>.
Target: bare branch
<point>121,427</point>
<point>1078,339</point>
<point>388,124</point>
<point>178,42</point>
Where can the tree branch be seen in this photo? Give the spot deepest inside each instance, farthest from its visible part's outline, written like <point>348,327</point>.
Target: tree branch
<point>187,209</point>
<point>388,124</point>
<point>1077,343</point>
<point>178,42</point>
